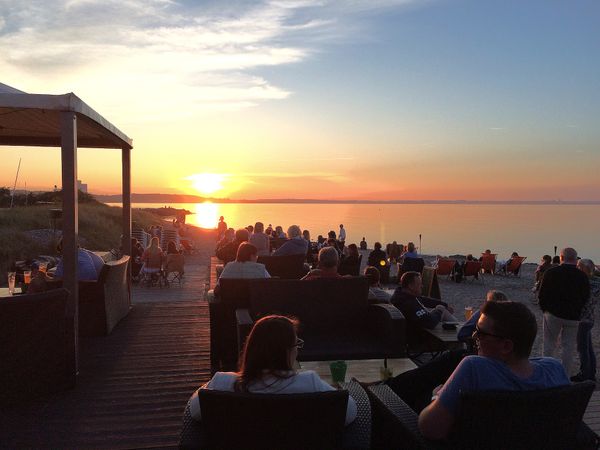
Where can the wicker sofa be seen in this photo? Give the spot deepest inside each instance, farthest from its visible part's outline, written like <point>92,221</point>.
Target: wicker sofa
<point>336,319</point>
<point>35,355</point>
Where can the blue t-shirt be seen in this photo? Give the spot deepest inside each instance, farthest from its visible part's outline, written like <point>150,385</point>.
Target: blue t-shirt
<point>410,255</point>
<point>479,373</point>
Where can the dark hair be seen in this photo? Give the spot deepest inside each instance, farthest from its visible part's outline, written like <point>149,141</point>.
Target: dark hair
<point>411,247</point>
<point>547,258</point>
<point>259,227</point>
<point>514,321</point>
<point>171,248</point>
<point>245,252</point>
<point>372,275</point>
<point>408,278</point>
<point>377,246</point>
<point>353,250</point>
<point>556,259</point>
<point>331,234</point>
<point>241,235</point>
<point>266,350</point>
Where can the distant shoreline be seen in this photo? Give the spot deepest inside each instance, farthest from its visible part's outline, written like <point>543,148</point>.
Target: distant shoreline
<point>169,199</point>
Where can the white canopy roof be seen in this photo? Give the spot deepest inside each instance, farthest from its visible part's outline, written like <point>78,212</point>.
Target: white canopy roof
<point>34,120</point>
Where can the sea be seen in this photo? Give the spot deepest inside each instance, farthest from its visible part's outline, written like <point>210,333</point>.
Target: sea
<point>532,230</point>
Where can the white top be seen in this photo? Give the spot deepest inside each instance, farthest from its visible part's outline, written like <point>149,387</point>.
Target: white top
<point>262,242</point>
<point>248,269</point>
<point>298,383</point>
<point>342,235</point>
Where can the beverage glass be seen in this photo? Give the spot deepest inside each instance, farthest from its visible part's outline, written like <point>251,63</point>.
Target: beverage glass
<point>338,371</point>
<point>27,276</point>
<point>12,276</point>
<point>468,312</point>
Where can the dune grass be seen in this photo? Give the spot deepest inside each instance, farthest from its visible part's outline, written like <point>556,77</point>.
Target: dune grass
<point>99,229</point>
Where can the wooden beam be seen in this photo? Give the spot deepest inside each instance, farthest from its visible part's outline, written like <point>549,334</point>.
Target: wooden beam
<point>126,190</point>
<point>70,220</point>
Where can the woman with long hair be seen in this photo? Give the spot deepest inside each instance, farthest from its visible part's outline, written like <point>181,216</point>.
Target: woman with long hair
<point>152,257</point>
<point>267,366</point>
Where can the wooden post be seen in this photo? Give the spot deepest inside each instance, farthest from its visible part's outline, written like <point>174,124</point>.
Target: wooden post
<point>126,200</point>
<point>70,229</point>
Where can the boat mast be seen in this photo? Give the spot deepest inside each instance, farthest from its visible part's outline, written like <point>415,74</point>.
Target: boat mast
<point>12,197</point>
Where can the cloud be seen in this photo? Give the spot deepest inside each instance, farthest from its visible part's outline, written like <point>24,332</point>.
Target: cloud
<point>192,56</point>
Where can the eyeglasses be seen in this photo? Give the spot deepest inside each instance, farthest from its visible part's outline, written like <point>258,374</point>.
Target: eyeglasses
<point>479,332</point>
<point>299,343</point>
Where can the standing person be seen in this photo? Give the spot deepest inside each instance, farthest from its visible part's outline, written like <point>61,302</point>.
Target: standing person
<point>563,292</point>
<point>221,228</point>
<point>260,240</point>
<point>363,244</point>
<point>342,234</point>
<point>411,251</point>
<point>587,357</point>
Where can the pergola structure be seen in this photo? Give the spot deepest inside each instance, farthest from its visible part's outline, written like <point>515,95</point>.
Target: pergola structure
<point>67,122</point>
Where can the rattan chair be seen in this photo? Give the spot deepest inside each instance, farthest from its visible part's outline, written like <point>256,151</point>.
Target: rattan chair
<point>542,419</point>
<point>278,421</point>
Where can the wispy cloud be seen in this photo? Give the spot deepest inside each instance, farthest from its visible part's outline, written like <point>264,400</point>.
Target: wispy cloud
<point>150,52</point>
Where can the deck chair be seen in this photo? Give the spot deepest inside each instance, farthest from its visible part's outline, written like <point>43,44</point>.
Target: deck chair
<point>472,269</point>
<point>514,266</point>
<point>445,267</point>
<point>174,268</point>
<point>488,263</point>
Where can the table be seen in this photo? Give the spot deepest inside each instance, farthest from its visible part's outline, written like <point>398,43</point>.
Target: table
<point>365,370</point>
<point>4,292</point>
<point>448,338</point>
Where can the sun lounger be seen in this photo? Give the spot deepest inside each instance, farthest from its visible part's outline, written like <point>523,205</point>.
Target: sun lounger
<point>445,267</point>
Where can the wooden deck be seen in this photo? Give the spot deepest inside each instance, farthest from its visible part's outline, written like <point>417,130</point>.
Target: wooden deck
<point>133,385</point>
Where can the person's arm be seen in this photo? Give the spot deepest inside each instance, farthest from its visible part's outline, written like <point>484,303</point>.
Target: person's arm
<point>435,421</point>
<point>351,408</point>
<point>432,302</point>
<point>466,331</point>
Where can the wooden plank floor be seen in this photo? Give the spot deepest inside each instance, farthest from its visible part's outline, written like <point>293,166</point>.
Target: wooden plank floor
<point>133,384</point>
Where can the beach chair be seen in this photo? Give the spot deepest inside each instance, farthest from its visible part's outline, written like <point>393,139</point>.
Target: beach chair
<point>472,269</point>
<point>233,420</point>
<point>174,268</point>
<point>411,265</point>
<point>445,267</point>
<point>488,263</point>
<point>513,267</point>
<point>541,419</point>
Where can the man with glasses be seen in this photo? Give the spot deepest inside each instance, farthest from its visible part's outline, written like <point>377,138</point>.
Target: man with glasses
<point>504,335</point>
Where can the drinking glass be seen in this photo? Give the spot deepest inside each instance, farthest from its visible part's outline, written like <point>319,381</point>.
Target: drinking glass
<point>12,276</point>
<point>468,312</point>
<point>27,276</point>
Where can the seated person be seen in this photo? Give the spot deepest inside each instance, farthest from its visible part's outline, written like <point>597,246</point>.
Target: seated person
<point>504,264</point>
<point>504,334</point>
<point>487,253</point>
<point>267,367</point>
<point>411,251</point>
<point>245,265</point>
<point>260,240</point>
<point>377,255</point>
<point>38,280</point>
<point>350,261</point>
<point>556,260</point>
<point>86,265</point>
<point>327,266</point>
<point>228,236</point>
<point>376,293</point>
<point>152,258</point>
<point>296,245</point>
<point>172,248</point>
<point>419,311</point>
<point>228,252</point>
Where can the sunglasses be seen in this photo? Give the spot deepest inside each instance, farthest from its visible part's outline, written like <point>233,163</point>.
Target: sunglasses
<point>299,343</point>
<point>479,332</point>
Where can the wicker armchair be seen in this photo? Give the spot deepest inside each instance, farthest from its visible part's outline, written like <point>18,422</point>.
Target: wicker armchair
<point>35,355</point>
<point>278,421</point>
<point>543,419</point>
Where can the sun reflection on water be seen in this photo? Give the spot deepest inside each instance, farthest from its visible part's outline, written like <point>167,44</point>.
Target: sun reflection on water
<point>207,215</point>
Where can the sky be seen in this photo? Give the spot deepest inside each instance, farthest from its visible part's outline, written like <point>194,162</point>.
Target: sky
<point>328,99</point>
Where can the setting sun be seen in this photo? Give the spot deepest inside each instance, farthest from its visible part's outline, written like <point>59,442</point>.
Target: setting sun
<point>207,183</point>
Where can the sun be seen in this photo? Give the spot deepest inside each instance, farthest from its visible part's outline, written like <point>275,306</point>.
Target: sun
<point>207,183</point>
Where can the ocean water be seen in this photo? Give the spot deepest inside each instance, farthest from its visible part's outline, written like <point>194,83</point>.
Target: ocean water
<point>446,229</point>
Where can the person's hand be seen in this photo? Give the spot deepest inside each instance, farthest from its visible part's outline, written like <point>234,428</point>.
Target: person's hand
<point>440,308</point>
<point>450,309</point>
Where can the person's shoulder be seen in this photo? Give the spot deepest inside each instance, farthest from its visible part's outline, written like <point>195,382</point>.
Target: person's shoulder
<point>547,363</point>
<point>222,381</point>
<point>481,362</point>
